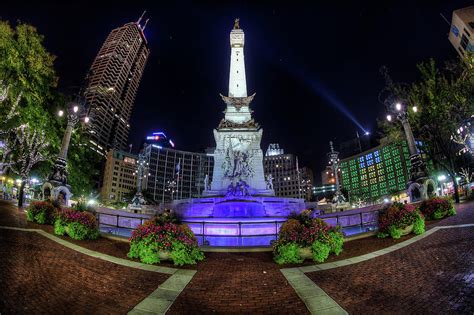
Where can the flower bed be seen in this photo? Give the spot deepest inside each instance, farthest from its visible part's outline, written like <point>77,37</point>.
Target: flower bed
<point>163,237</point>
<point>303,237</point>
<point>78,225</point>
<point>437,208</point>
<point>41,212</point>
<point>400,219</point>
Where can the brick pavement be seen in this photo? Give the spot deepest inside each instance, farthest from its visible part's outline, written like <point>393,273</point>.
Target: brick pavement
<point>248,283</point>
<point>433,275</point>
<point>39,276</point>
<point>252,282</point>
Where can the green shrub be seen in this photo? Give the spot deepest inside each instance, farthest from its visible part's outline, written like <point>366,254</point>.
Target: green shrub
<point>41,212</point>
<point>394,232</point>
<point>78,225</point>
<point>78,231</point>
<point>336,242</point>
<point>301,231</point>
<point>320,251</point>
<point>288,254</point>
<point>398,217</point>
<point>452,211</point>
<point>163,235</point>
<point>182,255</point>
<point>59,227</point>
<point>437,208</point>
<point>147,251</point>
<point>419,226</point>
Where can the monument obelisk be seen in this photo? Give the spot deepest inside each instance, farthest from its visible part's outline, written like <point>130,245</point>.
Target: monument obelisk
<point>238,158</point>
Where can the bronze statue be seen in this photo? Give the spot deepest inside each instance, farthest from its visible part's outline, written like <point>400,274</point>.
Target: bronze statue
<point>236,24</point>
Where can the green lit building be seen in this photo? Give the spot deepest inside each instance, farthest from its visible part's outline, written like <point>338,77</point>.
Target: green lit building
<point>376,173</point>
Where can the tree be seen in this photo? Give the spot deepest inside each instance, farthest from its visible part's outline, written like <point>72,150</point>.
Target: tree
<point>83,165</point>
<point>444,99</point>
<point>25,149</point>
<point>27,82</point>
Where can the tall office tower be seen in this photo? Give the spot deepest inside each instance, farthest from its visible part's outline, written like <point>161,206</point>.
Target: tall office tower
<point>112,85</point>
<point>461,34</point>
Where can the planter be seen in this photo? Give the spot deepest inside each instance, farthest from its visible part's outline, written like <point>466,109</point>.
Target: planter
<point>406,230</point>
<point>164,255</point>
<point>305,252</point>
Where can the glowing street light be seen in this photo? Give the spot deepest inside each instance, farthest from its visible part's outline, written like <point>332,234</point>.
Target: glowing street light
<point>61,113</point>
<point>418,169</point>
<point>86,120</point>
<point>75,109</point>
<point>441,177</point>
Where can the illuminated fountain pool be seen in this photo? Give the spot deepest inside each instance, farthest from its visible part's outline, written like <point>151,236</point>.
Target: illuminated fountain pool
<point>231,221</point>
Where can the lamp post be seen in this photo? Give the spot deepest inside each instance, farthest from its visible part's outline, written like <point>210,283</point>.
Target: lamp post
<point>334,164</point>
<point>419,184</point>
<point>138,200</point>
<point>57,181</point>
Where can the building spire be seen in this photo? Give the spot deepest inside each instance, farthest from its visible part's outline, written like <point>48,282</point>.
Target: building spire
<point>144,25</point>
<point>141,17</point>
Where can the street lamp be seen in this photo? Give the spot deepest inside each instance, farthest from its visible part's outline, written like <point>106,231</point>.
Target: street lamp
<point>418,170</point>
<point>334,163</point>
<point>138,200</point>
<point>74,112</point>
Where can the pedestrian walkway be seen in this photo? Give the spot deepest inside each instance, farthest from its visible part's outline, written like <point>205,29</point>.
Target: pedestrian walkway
<point>431,273</point>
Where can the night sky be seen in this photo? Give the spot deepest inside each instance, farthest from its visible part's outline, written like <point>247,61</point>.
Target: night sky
<point>304,61</point>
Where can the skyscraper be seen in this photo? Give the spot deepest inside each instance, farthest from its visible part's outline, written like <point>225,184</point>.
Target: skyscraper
<point>462,30</point>
<point>112,84</point>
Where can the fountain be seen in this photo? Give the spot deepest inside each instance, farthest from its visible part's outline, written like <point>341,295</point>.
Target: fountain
<point>239,207</point>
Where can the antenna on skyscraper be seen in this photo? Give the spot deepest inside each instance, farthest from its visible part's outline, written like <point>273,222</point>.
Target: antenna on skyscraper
<point>144,25</point>
<point>141,17</point>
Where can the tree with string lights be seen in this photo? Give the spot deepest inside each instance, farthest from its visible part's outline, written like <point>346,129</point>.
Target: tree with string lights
<point>24,148</point>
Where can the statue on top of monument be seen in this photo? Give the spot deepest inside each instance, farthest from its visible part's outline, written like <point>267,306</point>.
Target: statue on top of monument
<point>236,24</point>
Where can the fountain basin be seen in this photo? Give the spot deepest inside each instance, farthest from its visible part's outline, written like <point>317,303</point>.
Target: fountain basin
<point>231,221</point>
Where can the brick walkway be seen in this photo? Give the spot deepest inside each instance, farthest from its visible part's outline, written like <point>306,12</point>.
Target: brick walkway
<point>40,276</point>
<point>238,283</point>
<point>434,275</point>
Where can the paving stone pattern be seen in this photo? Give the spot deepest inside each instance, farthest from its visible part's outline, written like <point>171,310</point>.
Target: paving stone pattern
<point>433,275</point>
<point>249,283</point>
<point>39,276</point>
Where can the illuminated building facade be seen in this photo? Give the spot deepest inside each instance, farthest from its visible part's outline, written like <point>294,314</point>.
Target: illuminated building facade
<point>288,179</point>
<point>112,84</point>
<point>174,174</point>
<point>461,34</point>
<point>119,175</point>
<point>376,173</point>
